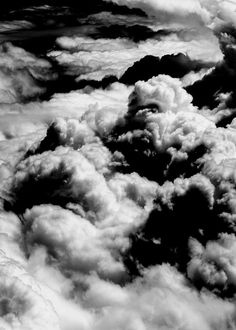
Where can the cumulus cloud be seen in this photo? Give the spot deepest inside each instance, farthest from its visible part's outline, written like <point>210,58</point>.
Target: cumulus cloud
<point>163,92</point>
<point>106,209</point>
<point>163,290</point>
<point>74,167</point>
<point>117,203</point>
<point>59,229</point>
<point>162,130</point>
<point>70,172</point>
<point>213,265</point>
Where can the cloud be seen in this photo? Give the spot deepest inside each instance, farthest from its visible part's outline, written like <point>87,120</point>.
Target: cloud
<point>71,177</point>
<point>193,12</point>
<point>217,82</point>
<point>105,18</point>
<point>165,138</point>
<point>163,92</point>
<point>117,203</point>
<point>163,290</point>
<point>28,299</point>
<point>21,302</point>
<point>59,229</point>
<point>162,131</point>
<point>94,59</point>
<point>98,103</point>
<point>20,74</point>
<point>213,265</point>
<point>226,11</point>
<point>9,26</point>
<point>176,66</point>
<point>106,208</point>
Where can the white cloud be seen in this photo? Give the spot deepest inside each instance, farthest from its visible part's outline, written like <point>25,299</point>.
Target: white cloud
<point>214,265</point>
<point>161,299</point>
<point>194,12</point>
<point>59,230</point>
<point>92,59</point>
<point>19,72</point>
<point>163,91</point>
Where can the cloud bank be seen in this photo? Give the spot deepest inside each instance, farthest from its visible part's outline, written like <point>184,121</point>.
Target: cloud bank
<point>117,199</point>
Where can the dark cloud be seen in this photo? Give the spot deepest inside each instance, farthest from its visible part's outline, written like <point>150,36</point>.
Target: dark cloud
<point>175,66</point>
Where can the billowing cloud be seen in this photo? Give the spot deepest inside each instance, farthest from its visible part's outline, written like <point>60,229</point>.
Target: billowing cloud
<point>59,229</point>
<point>164,290</point>
<point>117,191</point>
<point>213,265</point>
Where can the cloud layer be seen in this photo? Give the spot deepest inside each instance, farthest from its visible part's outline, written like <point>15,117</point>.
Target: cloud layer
<point>117,168</point>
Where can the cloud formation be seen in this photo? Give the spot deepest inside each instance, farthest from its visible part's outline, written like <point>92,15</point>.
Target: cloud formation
<point>192,11</point>
<point>117,199</point>
<point>94,59</point>
<point>20,74</point>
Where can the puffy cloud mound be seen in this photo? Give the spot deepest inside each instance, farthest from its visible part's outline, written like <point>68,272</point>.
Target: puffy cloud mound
<point>59,230</point>
<point>94,204</point>
<point>162,135</point>
<point>163,92</point>
<point>165,138</point>
<point>64,176</point>
<point>163,290</point>
<point>213,266</point>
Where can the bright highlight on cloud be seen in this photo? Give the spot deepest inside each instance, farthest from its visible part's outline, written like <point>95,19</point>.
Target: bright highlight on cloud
<point>192,11</point>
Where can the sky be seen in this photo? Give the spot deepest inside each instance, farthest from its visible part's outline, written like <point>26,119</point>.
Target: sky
<point>118,165</point>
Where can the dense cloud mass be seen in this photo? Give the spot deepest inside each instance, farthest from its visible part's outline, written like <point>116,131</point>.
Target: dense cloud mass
<point>117,165</point>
